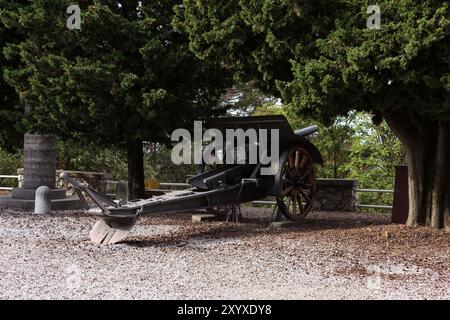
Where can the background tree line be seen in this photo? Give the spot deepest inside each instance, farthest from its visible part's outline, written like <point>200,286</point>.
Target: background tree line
<point>353,147</point>
<point>138,69</point>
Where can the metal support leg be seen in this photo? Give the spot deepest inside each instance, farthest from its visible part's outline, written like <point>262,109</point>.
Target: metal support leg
<point>234,215</point>
<point>279,216</point>
<point>235,211</point>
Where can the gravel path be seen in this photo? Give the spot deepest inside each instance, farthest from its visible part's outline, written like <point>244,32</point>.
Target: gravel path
<point>329,256</point>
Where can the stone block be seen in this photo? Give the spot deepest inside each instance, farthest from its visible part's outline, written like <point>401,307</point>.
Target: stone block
<point>285,224</point>
<point>207,217</point>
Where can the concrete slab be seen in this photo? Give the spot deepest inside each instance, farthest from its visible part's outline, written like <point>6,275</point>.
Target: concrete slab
<point>285,224</point>
<point>30,194</point>
<point>72,203</point>
<point>207,217</point>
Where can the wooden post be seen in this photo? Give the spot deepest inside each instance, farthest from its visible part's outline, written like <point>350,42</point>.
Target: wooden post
<point>400,206</point>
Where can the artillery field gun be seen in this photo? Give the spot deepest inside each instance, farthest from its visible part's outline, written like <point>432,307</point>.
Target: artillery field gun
<point>225,186</point>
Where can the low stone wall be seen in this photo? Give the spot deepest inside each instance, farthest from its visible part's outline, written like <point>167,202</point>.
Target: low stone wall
<point>97,180</point>
<point>336,195</point>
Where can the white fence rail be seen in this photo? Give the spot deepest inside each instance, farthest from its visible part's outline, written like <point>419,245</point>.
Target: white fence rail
<point>375,190</point>
<point>268,202</point>
<point>5,176</point>
<point>374,206</point>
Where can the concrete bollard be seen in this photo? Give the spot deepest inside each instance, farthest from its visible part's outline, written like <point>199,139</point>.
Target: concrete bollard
<point>42,203</point>
<point>122,191</point>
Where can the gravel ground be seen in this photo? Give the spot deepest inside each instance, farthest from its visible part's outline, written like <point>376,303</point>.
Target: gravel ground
<point>329,256</point>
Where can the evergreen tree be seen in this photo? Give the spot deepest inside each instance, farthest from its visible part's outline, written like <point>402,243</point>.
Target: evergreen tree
<point>125,77</point>
<point>321,58</point>
<point>10,107</point>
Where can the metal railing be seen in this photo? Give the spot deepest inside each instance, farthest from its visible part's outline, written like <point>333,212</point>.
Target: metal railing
<point>373,206</point>
<point>270,202</point>
<point>8,177</point>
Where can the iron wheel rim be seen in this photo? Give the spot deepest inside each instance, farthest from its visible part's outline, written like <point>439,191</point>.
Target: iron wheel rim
<point>295,183</point>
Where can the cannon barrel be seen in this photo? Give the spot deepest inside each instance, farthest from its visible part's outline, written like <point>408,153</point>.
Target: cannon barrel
<point>306,131</point>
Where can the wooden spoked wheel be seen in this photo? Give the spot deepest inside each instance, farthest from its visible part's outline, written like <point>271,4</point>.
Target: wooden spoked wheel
<point>295,183</point>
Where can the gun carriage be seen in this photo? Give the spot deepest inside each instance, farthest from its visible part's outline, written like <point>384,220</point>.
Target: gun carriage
<point>223,187</point>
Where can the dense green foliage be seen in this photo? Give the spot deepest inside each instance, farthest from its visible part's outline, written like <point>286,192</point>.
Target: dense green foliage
<point>159,166</point>
<point>157,163</point>
<point>73,155</point>
<point>10,108</point>
<point>9,163</point>
<point>373,154</point>
<point>124,78</point>
<point>353,148</point>
<point>126,75</point>
<point>320,57</point>
<point>243,99</point>
<point>138,69</point>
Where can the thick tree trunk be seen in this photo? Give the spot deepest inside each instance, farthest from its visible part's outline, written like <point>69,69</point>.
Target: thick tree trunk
<point>428,158</point>
<point>440,201</point>
<point>135,155</point>
<point>39,161</point>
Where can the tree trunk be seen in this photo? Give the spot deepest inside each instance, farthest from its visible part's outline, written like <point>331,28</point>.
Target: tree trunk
<point>335,165</point>
<point>39,161</point>
<point>135,155</point>
<point>428,159</point>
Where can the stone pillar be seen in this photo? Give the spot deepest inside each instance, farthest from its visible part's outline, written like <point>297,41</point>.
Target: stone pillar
<point>39,161</point>
<point>39,171</point>
<point>336,195</point>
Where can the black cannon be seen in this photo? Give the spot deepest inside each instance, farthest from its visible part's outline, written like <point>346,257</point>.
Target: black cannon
<point>223,187</point>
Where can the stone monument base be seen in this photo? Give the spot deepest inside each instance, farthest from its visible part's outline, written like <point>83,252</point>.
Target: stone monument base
<point>30,194</point>
<point>23,199</point>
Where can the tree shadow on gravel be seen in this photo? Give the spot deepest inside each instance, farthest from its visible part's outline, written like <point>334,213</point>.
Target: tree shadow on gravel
<point>253,227</point>
<point>206,231</point>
